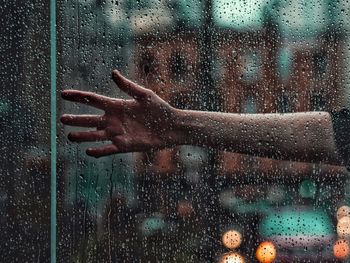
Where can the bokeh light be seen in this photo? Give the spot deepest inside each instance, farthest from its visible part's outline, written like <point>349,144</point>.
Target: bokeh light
<point>343,227</point>
<point>266,252</point>
<point>232,257</point>
<point>341,249</point>
<point>232,239</point>
<point>343,211</point>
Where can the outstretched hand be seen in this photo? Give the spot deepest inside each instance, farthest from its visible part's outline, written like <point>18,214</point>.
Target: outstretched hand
<point>139,124</point>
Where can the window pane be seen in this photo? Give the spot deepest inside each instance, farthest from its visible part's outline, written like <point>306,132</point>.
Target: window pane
<point>25,130</point>
<point>211,197</point>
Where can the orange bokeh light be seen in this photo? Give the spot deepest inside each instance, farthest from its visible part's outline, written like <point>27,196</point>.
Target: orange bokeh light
<point>232,257</point>
<point>341,249</point>
<point>266,252</point>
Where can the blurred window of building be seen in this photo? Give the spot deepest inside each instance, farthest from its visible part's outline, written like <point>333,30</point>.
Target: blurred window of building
<point>178,67</point>
<point>249,105</point>
<point>285,60</point>
<point>320,64</point>
<point>251,66</point>
<point>285,103</point>
<point>318,101</point>
<point>148,64</point>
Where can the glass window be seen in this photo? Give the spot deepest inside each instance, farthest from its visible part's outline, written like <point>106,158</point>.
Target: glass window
<point>25,132</point>
<point>188,203</point>
<point>206,159</point>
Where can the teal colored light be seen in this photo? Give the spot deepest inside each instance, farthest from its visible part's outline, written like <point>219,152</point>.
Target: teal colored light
<point>302,18</point>
<point>141,4</point>
<point>191,12</point>
<point>250,105</point>
<point>4,107</point>
<point>285,62</point>
<point>296,18</point>
<point>239,14</point>
<point>293,223</point>
<point>307,189</point>
<point>53,78</point>
<point>152,224</point>
<point>95,182</point>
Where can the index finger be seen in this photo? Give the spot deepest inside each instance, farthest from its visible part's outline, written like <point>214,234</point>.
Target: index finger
<point>89,98</point>
<point>129,87</point>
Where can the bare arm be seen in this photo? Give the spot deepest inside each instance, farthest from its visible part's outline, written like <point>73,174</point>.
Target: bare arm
<point>306,136</point>
<point>148,122</point>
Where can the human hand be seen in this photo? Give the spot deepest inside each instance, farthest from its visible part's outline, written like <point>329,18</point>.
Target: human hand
<point>139,124</point>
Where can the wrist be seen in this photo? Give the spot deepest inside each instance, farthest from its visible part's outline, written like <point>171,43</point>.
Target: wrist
<point>173,132</point>
<point>183,127</point>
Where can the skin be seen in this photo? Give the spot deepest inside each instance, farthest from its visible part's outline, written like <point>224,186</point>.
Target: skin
<point>147,122</point>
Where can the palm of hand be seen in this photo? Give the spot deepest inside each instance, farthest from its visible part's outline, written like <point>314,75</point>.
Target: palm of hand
<point>131,125</point>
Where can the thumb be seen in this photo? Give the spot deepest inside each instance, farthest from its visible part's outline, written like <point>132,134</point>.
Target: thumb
<point>129,87</point>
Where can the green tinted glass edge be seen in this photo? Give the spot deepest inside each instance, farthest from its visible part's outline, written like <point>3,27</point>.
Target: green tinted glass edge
<point>53,130</point>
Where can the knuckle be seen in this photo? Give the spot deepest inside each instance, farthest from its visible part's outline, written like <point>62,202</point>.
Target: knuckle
<point>117,103</point>
<point>118,141</point>
<point>121,143</point>
<point>149,93</point>
<point>109,132</point>
<point>112,131</point>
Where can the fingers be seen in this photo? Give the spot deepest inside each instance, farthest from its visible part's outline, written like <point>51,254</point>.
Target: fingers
<point>83,120</point>
<point>129,87</point>
<point>90,136</point>
<point>120,145</point>
<point>89,98</point>
<point>102,151</point>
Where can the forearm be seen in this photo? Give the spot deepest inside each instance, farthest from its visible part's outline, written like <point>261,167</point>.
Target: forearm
<point>306,137</point>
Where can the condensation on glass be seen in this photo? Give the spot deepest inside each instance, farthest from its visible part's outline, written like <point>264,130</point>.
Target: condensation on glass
<point>24,133</point>
<point>187,203</point>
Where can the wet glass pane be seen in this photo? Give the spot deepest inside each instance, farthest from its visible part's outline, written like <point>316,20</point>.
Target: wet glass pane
<point>25,129</point>
<point>217,163</point>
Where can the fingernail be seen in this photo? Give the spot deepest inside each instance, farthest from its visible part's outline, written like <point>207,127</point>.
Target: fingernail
<point>115,73</point>
<point>90,152</point>
<point>64,118</point>
<point>64,94</point>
